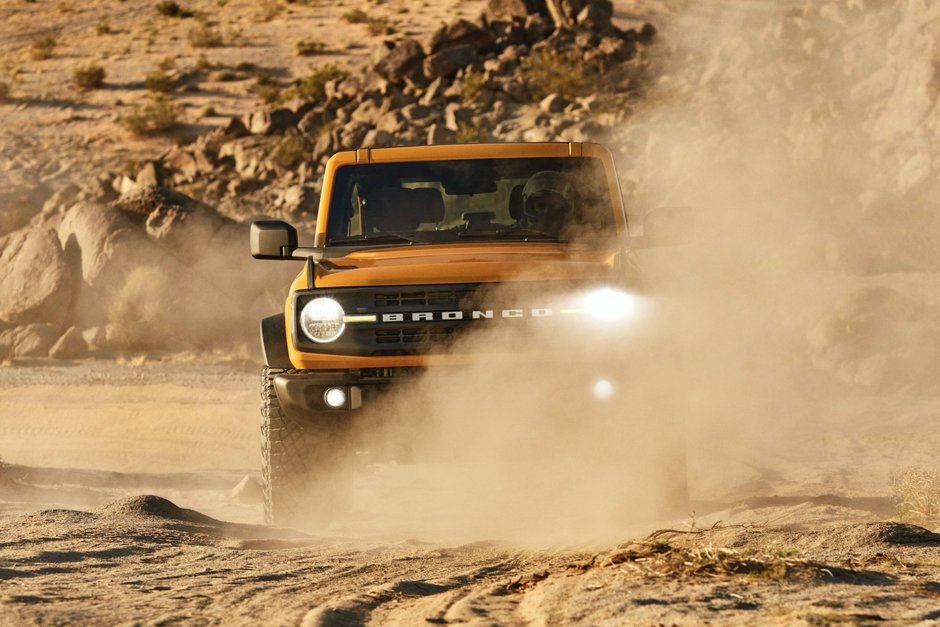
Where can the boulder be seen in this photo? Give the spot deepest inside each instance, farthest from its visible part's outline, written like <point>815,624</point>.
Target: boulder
<point>36,284</point>
<point>508,9</point>
<point>461,32</point>
<point>271,122</point>
<point>402,60</point>
<point>536,29</point>
<point>72,344</point>
<point>597,15</point>
<point>32,340</point>
<point>446,62</point>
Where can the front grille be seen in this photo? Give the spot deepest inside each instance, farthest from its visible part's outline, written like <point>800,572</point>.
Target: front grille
<point>422,298</point>
<point>414,335</point>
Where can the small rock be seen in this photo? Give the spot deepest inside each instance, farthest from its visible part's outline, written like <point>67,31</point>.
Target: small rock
<point>508,9</point>
<point>537,28</point>
<point>248,491</point>
<point>378,139</point>
<point>440,134</point>
<point>271,122</point>
<point>415,112</point>
<point>72,344</point>
<point>461,32</point>
<point>446,62</point>
<point>401,60</point>
<point>553,103</point>
<point>597,15</point>
<point>456,116</point>
<point>148,174</point>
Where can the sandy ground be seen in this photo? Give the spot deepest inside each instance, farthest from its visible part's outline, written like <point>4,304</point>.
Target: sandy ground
<point>795,538</point>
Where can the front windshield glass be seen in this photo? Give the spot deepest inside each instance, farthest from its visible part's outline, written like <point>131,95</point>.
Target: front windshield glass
<point>473,200</point>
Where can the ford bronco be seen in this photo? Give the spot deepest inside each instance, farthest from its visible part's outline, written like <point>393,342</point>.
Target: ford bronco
<point>409,246</point>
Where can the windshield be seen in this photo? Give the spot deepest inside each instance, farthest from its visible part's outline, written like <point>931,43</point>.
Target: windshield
<point>472,200</point>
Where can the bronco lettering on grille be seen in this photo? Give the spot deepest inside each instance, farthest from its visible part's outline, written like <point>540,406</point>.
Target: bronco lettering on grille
<point>476,314</point>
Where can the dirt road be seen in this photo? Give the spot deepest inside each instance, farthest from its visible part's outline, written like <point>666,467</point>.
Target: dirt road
<point>80,544</point>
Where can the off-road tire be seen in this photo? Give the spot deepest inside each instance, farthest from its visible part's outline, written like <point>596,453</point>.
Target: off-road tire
<point>306,473</point>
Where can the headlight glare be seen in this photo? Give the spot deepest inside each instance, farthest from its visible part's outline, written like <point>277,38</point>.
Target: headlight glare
<point>322,320</point>
<point>609,304</point>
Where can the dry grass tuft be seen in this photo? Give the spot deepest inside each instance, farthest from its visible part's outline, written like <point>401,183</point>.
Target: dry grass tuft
<point>88,77</point>
<point>159,115</point>
<point>173,9</point>
<point>917,496</point>
<point>42,47</point>
<point>5,91</point>
<point>313,86</point>
<point>204,36</point>
<point>291,151</point>
<point>160,82</point>
<point>309,48</point>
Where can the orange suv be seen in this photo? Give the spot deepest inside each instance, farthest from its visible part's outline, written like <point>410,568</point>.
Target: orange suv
<point>413,248</point>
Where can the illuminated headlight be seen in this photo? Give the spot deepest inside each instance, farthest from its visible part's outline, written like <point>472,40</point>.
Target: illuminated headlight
<point>609,304</point>
<point>335,397</point>
<point>322,320</point>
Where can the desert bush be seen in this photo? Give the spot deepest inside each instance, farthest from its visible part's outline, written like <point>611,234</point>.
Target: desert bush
<point>103,28</point>
<point>172,9</point>
<point>548,72</point>
<point>269,9</point>
<point>473,82</point>
<point>267,89</point>
<point>471,134</point>
<point>42,47</point>
<point>4,91</point>
<point>88,77</point>
<point>356,16</point>
<point>313,86</point>
<point>917,496</point>
<point>160,82</point>
<point>310,48</point>
<point>290,151</point>
<point>157,116</point>
<point>204,36</point>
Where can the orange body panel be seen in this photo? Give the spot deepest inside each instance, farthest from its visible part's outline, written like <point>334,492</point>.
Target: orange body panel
<point>452,263</point>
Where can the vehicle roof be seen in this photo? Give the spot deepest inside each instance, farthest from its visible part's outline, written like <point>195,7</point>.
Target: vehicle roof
<point>468,151</point>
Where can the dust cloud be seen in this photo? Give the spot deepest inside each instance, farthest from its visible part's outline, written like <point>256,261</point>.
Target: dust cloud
<point>802,138</point>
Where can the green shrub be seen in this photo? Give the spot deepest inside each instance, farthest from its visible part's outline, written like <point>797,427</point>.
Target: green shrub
<point>157,116</point>
<point>42,47</point>
<point>549,72</point>
<point>473,82</point>
<point>88,77</point>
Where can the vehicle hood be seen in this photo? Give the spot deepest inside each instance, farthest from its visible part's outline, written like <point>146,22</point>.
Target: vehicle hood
<point>466,263</point>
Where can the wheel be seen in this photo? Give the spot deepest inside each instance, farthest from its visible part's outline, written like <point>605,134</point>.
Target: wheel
<point>306,471</point>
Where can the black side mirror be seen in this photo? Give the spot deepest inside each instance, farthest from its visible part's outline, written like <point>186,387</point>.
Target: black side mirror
<point>272,239</point>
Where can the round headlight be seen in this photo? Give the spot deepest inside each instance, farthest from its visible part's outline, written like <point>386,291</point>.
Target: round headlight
<point>322,320</point>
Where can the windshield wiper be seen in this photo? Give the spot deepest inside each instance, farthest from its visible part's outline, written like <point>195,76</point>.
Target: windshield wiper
<point>525,235</point>
<point>383,238</point>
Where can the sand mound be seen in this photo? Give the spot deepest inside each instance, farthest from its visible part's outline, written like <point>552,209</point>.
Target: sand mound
<point>157,507</point>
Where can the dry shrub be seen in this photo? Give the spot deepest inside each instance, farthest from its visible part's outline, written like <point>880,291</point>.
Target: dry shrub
<point>173,9</point>
<point>290,151</point>
<point>204,36</point>
<point>313,86</point>
<point>139,311</point>
<point>157,116</point>
<point>88,77</point>
<point>160,82</point>
<point>356,16</point>
<point>549,72</point>
<point>42,47</point>
<point>917,496</point>
<point>309,48</point>
<point>4,91</point>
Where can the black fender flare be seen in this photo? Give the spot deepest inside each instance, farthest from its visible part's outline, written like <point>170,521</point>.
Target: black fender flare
<point>274,342</point>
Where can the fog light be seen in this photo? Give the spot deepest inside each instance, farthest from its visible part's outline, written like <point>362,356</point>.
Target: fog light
<point>603,389</point>
<point>335,397</point>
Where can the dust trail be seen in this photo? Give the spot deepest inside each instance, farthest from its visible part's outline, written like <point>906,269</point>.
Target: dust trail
<point>803,141</point>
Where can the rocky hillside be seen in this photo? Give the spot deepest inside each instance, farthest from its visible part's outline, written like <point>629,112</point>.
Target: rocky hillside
<point>134,262</point>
